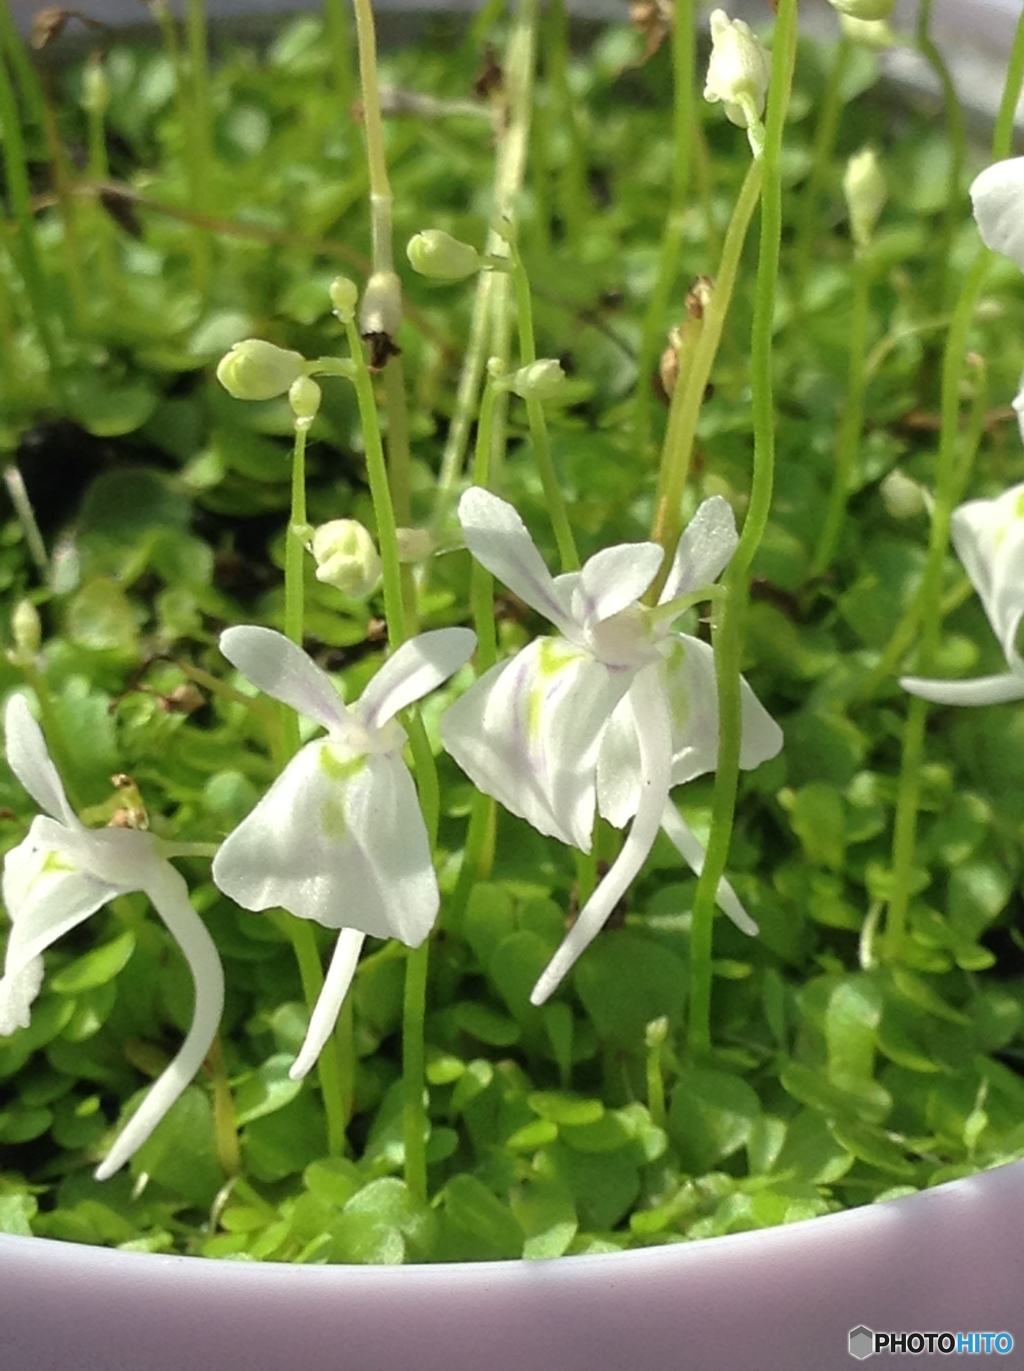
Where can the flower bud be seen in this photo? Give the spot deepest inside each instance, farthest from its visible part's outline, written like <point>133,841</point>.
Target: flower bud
<point>346,558</point>
<point>540,380</point>
<point>866,193</point>
<point>870,33</point>
<point>415,544</point>
<point>439,256</point>
<point>95,98</point>
<point>304,397</point>
<point>26,630</point>
<point>738,70</point>
<point>255,370</point>
<point>903,497</point>
<point>344,296</point>
<point>381,310</point>
<point>864,9</point>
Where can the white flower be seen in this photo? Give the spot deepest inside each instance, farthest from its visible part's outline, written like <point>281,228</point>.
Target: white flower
<point>997,194</point>
<point>608,716</point>
<point>989,539</point>
<point>60,874</point>
<point>738,70</point>
<point>339,836</point>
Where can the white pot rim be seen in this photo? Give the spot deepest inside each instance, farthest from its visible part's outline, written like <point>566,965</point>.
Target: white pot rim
<point>782,1299</point>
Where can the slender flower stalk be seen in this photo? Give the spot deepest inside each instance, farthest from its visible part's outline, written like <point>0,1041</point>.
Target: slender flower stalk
<point>729,630</point>
<point>684,115</point>
<point>677,452</point>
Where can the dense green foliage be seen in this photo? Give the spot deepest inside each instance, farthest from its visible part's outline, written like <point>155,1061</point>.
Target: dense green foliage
<point>839,1075</point>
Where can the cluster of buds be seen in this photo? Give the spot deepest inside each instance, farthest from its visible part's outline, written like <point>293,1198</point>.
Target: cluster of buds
<point>346,558</point>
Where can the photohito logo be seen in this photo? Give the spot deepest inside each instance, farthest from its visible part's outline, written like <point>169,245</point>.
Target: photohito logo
<point>865,1342</point>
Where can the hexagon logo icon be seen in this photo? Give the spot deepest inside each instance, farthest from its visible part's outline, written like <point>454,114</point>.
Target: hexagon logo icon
<point>862,1342</point>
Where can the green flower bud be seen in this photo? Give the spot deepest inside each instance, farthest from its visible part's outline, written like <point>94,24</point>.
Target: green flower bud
<point>870,33</point>
<point>439,256</point>
<point>26,630</point>
<point>738,70</point>
<point>304,397</point>
<point>346,558</point>
<point>95,88</point>
<point>864,9</point>
<point>903,497</point>
<point>344,295</point>
<point>415,544</point>
<point>540,380</point>
<point>255,370</point>
<point>866,193</point>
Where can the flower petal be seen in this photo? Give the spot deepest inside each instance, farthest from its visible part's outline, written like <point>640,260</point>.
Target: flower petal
<point>328,1006</point>
<point>693,700</point>
<point>983,690</point>
<point>529,731</point>
<point>650,711</point>
<point>614,578</point>
<point>499,540</point>
<point>169,895</point>
<point>998,198</point>
<point>283,671</point>
<point>46,893</point>
<point>18,990</point>
<point>416,668</point>
<point>686,842</point>
<point>692,691</point>
<point>339,839</point>
<point>989,539</point>
<point>29,760</point>
<point>704,550</point>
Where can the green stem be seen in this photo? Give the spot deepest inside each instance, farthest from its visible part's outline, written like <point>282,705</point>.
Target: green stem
<point>414,1115</point>
<point>332,1084</point>
<point>956,137</point>
<point>200,245</point>
<point>1002,136</point>
<point>848,439</point>
<point>677,452</point>
<point>538,425</point>
<point>491,304</point>
<point>683,124</point>
<point>380,490</point>
<point>573,193</point>
<point>809,210</point>
<point>295,550</point>
<point>728,639</point>
<point>30,269</point>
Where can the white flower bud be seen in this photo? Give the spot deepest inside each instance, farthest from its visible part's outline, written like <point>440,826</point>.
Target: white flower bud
<point>439,256</point>
<point>903,497</point>
<point>738,70</point>
<point>381,310</point>
<point>866,193</point>
<point>415,544</point>
<point>540,380</point>
<point>346,558</point>
<point>864,9</point>
<point>255,370</point>
<point>871,33</point>
<point>304,397</point>
<point>344,296</point>
<point>26,630</point>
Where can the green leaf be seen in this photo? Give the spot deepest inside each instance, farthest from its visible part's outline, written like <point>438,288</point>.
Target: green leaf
<point>711,1115</point>
<point>625,981</point>
<point>480,1218</point>
<point>95,968</point>
<point>265,1090</point>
